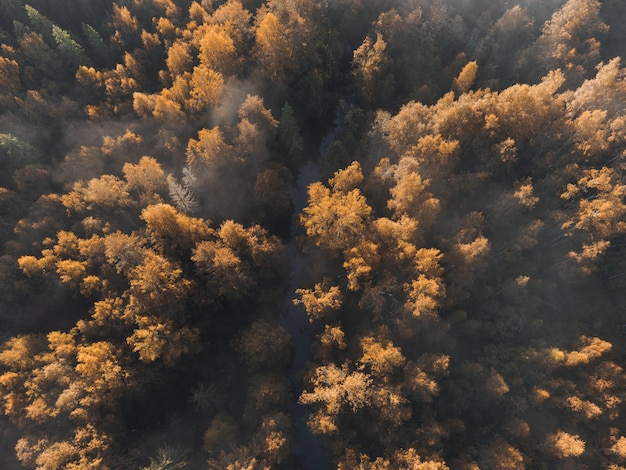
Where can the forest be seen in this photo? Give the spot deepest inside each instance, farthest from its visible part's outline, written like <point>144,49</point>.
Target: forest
<point>312,234</point>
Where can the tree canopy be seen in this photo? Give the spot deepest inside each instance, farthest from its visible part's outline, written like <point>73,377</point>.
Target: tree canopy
<point>243,234</point>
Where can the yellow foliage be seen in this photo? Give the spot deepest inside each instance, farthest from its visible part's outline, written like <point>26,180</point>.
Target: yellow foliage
<point>357,272</point>
<point>108,310</point>
<point>71,271</point>
<point>107,193</point>
<point>235,19</point>
<point>501,455</point>
<point>347,179</point>
<point>123,251</point>
<point>103,375</point>
<point>274,436</point>
<point>588,409</point>
<point>424,295</point>
<point>30,265</point>
<point>619,447</point>
<point>334,388</point>
<point>179,59</point>
<point>475,250</point>
<point>524,193</point>
<point>333,336</point>
<point>9,76</point>
<point>224,268</point>
<point>88,78</point>
<point>217,49</point>
<point>143,104</point>
<point>565,445</point>
<point>156,283</point>
<point>61,344</point>
<point>401,231</point>
<point>19,353</point>
<point>123,20</point>
<point>166,106</point>
<point>409,197</point>
<point>272,48</point>
<point>146,176</point>
<point>206,87</point>
<point>464,81</point>
<point>322,423</point>
<point>319,300</point>
<point>168,227</point>
<point>335,220</point>
<point>210,150</point>
<point>393,407</point>
<point>368,63</point>
<point>57,455</point>
<point>592,348</point>
<point>381,357</point>
<point>39,411</point>
<point>420,384</point>
<point>592,133</point>
<point>410,459</point>
<point>435,155</point>
<point>149,342</point>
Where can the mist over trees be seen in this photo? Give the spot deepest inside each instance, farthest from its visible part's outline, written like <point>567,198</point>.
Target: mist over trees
<point>460,262</point>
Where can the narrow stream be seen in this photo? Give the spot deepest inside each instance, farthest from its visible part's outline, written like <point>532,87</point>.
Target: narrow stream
<point>306,446</point>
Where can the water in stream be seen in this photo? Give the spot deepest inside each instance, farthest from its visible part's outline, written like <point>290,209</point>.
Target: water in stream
<point>306,446</point>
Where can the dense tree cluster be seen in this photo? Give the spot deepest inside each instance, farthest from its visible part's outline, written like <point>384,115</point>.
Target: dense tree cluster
<point>460,260</point>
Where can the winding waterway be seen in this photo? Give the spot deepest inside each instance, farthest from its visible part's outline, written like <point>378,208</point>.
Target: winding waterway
<point>306,446</point>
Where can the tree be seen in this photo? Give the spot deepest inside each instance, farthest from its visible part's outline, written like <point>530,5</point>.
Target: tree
<point>125,25</point>
<point>464,81</point>
<point>156,285</point>
<point>289,136</point>
<point>168,458</point>
<point>599,214</point>
<point>205,88</point>
<point>335,219</point>
<point>436,158</point>
<point>591,348</point>
<point>564,445</point>
<point>501,454</point>
<point>320,300</point>
<point>421,376</point>
<point>70,51</point>
<point>146,178</point>
<point>272,49</point>
<point>99,50</point>
<point>107,193</point>
<point>17,153</point>
<point>369,65</point>
<point>568,40</point>
<point>124,252</point>
<point>238,260</point>
<point>154,341</point>
<point>208,151</point>
<point>227,275</point>
<point>236,20</point>
<point>179,59</point>
<point>380,357</point>
<point>274,436</point>
<point>410,197</point>
<point>9,76</point>
<point>217,49</point>
<point>171,230</point>
<point>182,196</point>
<point>335,389</point>
<point>264,345</point>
